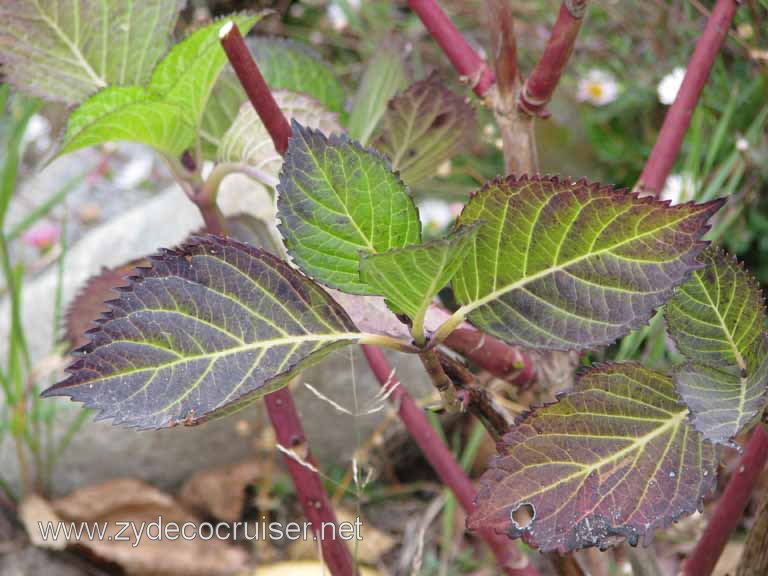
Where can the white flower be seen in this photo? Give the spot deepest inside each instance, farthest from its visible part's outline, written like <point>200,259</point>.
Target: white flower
<point>598,87</point>
<point>37,133</point>
<point>742,144</point>
<point>435,215</point>
<point>670,86</point>
<point>679,188</point>
<point>337,16</point>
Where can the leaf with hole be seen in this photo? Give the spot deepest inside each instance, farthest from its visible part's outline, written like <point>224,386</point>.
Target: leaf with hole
<point>411,277</point>
<point>614,458</point>
<point>166,113</point>
<point>570,265</point>
<point>423,126</point>
<point>208,328</point>
<point>248,142</point>
<point>66,51</point>
<point>337,200</point>
<point>717,320</point>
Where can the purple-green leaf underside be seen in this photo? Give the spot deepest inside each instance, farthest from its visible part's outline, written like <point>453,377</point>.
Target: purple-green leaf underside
<point>615,458</point>
<point>722,401</point>
<point>206,329</point>
<point>564,264</point>
<point>423,126</point>
<point>717,320</point>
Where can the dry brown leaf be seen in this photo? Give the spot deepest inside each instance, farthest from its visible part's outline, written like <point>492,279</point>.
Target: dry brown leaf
<point>729,559</point>
<point>126,500</point>
<point>88,305</point>
<point>220,493</point>
<point>36,510</point>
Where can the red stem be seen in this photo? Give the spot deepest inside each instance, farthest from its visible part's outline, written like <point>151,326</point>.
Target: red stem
<point>679,115</point>
<point>309,486</point>
<point>538,89</point>
<point>730,507</point>
<point>489,353</point>
<point>280,406</point>
<point>465,60</point>
<point>255,87</point>
<point>508,556</point>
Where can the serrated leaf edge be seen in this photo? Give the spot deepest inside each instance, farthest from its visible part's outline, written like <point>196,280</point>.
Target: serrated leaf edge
<point>463,312</point>
<point>165,254</point>
<point>632,536</point>
<point>335,139</point>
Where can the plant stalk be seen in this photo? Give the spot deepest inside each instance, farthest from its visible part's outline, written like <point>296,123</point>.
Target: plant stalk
<point>504,46</point>
<point>280,406</point>
<point>730,507</point>
<point>540,85</point>
<point>496,419</point>
<point>441,381</point>
<point>465,60</point>
<point>503,361</point>
<point>508,556</point>
<point>255,86</point>
<point>306,479</point>
<point>678,117</point>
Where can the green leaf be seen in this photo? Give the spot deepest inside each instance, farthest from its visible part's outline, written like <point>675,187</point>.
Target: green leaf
<point>167,113</point>
<point>614,458</point>
<point>207,329</point>
<point>383,77</point>
<point>717,320</point>
<point>424,126</point>
<point>68,50</point>
<point>248,142</point>
<point>187,74</point>
<point>128,113</point>
<point>571,265</point>
<point>336,200</point>
<point>718,315</point>
<point>411,277</point>
<point>290,65</point>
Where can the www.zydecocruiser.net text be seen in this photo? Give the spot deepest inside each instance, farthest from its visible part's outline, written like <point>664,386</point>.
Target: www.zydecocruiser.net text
<point>156,530</point>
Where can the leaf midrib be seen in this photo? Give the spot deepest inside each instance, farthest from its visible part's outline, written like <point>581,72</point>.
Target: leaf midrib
<point>739,358</point>
<point>258,345</point>
<point>332,188</point>
<point>495,294</point>
<point>638,444</point>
